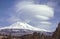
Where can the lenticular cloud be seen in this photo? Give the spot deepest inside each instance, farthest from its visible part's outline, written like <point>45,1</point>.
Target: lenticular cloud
<point>29,12</point>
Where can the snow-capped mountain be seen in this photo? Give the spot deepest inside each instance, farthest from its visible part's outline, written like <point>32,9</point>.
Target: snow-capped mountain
<point>21,25</point>
<point>20,28</point>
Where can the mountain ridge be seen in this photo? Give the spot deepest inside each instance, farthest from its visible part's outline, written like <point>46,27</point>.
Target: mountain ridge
<point>21,25</point>
<point>20,28</point>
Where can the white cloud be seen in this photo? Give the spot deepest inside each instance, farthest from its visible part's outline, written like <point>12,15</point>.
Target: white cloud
<point>42,17</point>
<point>27,11</point>
<point>36,9</point>
<point>28,8</point>
<point>44,25</point>
<point>45,22</point>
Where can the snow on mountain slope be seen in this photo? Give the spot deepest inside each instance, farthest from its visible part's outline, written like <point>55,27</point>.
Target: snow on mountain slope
<point>21,25</point>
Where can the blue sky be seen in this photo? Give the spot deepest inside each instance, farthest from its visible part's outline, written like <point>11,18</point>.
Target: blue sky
<point>10,12</point>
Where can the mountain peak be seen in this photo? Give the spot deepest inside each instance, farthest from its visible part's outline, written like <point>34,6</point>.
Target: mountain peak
<point>21,25</point>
